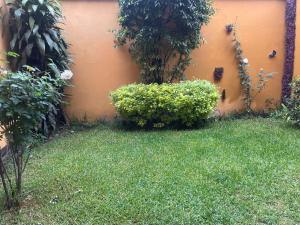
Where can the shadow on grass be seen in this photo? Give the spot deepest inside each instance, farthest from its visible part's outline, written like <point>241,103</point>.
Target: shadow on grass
<point>119,124</point>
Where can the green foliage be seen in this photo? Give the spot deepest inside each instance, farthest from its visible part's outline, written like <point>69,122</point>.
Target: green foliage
<point>25,101</point>
<point>250,91</point>
<point>184,103</point>
<point>231,173</point>
<point>36,36</point>
<point>292,106</point>
<point>161,35</point>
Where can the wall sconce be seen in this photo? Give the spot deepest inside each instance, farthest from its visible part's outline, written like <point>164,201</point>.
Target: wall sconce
<point>272,54</point>
<point>229,28</point>
<point>218,73</point>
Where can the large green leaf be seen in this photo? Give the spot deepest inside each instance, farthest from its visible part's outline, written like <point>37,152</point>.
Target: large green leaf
<point>9,2</point>
<point>18,12</point>
<point>35,7</point>
<point>12,54</point>
<point>53,34</point>
<point>55,46</point>
<point>13,41</point>
<point>31,22</point>
<point>35,29</point>
<point>41,45</point>
<point>51,10</point>
<point>48,40</point>
<point>43,12</point>
<point>24,2</point>
<point>27,35</point>
<point>54,68</point>
<point>28,49</point>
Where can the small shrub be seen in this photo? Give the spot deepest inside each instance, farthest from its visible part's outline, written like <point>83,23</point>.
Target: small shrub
<point>292,106</point>
<point>154,105</point>
<point>25,100</point>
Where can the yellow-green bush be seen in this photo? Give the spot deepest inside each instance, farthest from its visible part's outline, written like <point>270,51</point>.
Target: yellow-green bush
<point>292,106</point>
<point>184,103</point>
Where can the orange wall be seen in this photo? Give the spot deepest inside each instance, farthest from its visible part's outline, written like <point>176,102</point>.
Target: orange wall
<point>260,31</point>
<point>99,68</point>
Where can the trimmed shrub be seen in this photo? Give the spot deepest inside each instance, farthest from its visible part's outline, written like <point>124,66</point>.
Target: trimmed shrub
<point>184,104</point>
<point>292,106</point>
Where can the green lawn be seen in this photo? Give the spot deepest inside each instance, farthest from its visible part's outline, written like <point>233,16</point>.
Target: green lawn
<point>232,172</point>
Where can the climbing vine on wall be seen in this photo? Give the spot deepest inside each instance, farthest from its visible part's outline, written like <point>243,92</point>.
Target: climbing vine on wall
<point>242,63</point>
<point>290,20</point>
<point>161,35</point>
<point>250,91</point>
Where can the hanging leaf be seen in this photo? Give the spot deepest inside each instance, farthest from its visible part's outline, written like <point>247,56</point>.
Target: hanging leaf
<point>55,46</point>
<point>13,41</point>
<point>53,34</point>
<point>43,12</point>
<point>62,46</point>
<point>51,10</point>
<point>28,49</point>
<point>12,54</point>
<point>49,40</point>
<point>35,29</point>
<point>18,13</point>
<point>21,42</point>
<point>31,22</point>
<point>9,2</point>
<point>24,2</point>
<point>54,68</point>
<point>27,35</point>
<point>35,7</point>
<point>41,46</point>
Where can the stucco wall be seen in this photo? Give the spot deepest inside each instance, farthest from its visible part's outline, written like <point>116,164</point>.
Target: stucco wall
<point>99,68</point>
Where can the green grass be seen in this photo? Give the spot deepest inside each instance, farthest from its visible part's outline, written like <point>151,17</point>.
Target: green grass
<point>232,172</point>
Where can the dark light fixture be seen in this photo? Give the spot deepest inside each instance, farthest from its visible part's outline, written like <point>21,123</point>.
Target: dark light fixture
<point>273,54</point>
<point>229,28</point>
<point>218,73</point>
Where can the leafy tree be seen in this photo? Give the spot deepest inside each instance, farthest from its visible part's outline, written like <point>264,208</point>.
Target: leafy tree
<point>25,100</point>
<point>161,35</point>
<point>36,36</point>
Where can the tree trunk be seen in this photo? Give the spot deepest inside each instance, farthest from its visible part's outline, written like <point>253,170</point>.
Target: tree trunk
<point>8,202</point>
<point>19,173</point>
